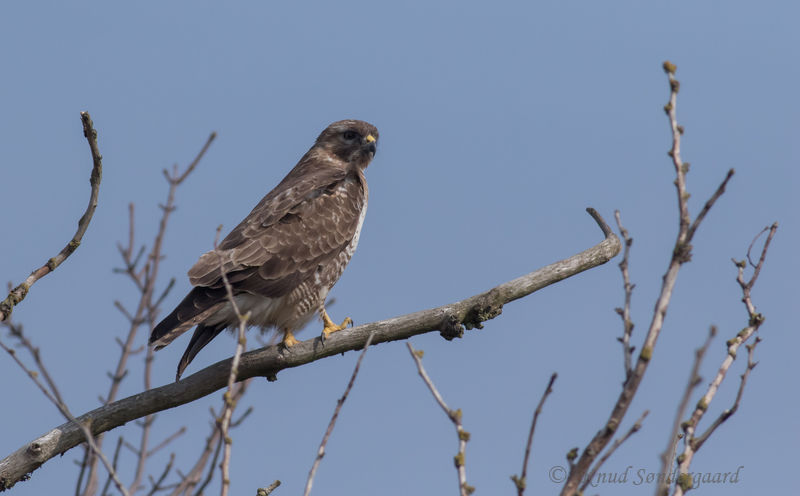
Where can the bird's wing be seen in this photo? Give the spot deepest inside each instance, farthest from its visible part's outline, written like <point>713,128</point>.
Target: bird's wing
<point>299,226</point>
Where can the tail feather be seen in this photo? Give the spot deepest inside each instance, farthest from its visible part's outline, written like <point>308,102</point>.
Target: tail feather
<point>198,305</point>
<point>201,337</point>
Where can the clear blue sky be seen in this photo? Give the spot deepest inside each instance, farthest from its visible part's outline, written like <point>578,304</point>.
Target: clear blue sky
<point>500,122</point>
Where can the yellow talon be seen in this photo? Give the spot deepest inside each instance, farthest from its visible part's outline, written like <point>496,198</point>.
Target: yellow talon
<point>289,339</point>
<point>330,327</point>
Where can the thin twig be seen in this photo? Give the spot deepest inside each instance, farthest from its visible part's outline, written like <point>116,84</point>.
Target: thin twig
<point>668,456</point>
<point>726,414</point>
<point>114,461</point>
<point>157,483</point>
<point>710,203</point>
<point>332,423</point>
<point>237,423</point>
<point>625,311</point>
<point>241,345</point>
<point>455,417</point>
<point>757,268</point>
<point>212,467</point>
<point>166,441</point>
<point>197,159</point>
<point>81,472</point>
<point>191,479</point>
<point>634,429</point>
<point>17,294</point>
<point>15,330</point>
<point>521,481</point>
<point>212,446</point>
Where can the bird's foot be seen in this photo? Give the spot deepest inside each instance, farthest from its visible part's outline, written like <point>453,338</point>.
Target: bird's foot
<point>330,327</point>
<point>288,339</point>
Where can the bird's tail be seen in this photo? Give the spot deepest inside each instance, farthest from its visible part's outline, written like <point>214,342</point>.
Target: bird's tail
<point>198,305</point>
<point>201,337</point>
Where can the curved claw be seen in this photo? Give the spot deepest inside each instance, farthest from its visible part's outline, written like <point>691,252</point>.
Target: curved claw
<point>330,327</point>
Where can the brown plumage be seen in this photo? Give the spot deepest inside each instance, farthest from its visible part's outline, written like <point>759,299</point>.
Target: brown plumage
<point>285,256</point>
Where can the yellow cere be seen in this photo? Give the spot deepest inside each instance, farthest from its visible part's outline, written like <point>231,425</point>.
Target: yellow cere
<point>370,138</point>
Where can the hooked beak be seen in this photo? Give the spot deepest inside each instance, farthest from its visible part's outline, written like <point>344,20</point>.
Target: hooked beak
<point>370,144</point>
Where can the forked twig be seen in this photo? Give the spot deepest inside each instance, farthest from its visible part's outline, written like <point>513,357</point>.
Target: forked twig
<point>693,443</point>
<point>633,430</point>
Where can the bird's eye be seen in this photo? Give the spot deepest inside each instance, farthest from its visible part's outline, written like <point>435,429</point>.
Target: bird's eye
<point>349,135</point>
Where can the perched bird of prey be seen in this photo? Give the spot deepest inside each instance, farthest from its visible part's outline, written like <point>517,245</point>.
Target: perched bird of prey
<point>285,256</point>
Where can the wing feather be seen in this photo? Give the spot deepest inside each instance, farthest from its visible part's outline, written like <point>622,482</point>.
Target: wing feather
<point>300,225</point>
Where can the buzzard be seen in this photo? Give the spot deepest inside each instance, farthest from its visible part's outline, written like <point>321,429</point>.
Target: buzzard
<point>285,256</point>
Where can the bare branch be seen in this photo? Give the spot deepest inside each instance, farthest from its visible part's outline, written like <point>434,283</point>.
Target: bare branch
<point>15,330</point>
<point>17,294</point>
<point>213,445</point>
<point>146,312</point>
<point>691,443</point>
<point>521,481</point>
<point>668,457</point>
<point>241,344</point>
<point>332,423</point>
<point>213,465</point>
<point>193,477</point>
<point>267,362</point>
<point>83,425</point>
<point>625,311</point>
<point>681,254</point>
<point>237,423</point>
<point>634,429</point>
<point>193,164</point>
<point>114,461</point>
<point>710,203</point>
<point>166,441</point>
<point>726,414</point>
<point>157,483</point>
<point>455,417</point>
<point>757,267</point>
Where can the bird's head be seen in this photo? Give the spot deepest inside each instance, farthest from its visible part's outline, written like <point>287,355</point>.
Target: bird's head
<point>353,141</point>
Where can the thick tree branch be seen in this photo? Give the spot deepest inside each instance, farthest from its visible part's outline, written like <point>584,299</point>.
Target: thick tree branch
<point>17,294</point>
<point>450,320</point>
